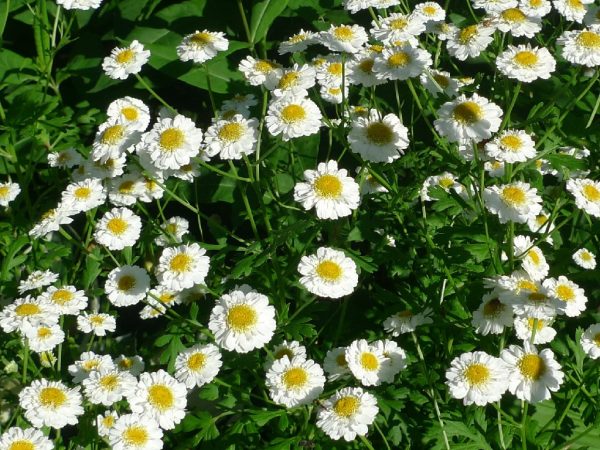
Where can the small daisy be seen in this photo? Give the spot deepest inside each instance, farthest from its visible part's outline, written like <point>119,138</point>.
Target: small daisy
<point>536,8</point>
<point>182,267</point>
<point>329,73</point>
<point>492,6</point>
<point>297,42</point>
<point>395,359</point>
<point>125,190</point>
<point>202,46</point>
<point>290,349</point>
<point>135,432</point>
<point>8,192</point>
<point>328,273</point>
<point>232,138</point>
<point>492,316</point>
<point>569,298</point>
<point>359,69</point>
<point>118,228</point>
<point>97,323</point>
<point>574,10</point>
<point>64,158</point>
<point>474,118</point>
<point>174,229</point>
<point>113,167</point>
<point>106,387</point>
<point>294,382</point>
<point>37,279</point>
<point>470,41</point>
<point>124,61</point>
<point>51,221</point>
<point>516,22</point>
<point>406,321</point>
<point>127,285</point>
<point>532,375</point>
<point>43,338</point>
<point>104,422</point>
<point>112,140</point>
<point>256,71</point>
<point>27,311</point>
<point>87,362</point>
<point>344,38</point>
<point>132,364</point>
<point>526,63</point>
<point>436,82</point>
<point>293,82</point>
<point>586,193</point>
<point>517,202</point>
<point>401,63</point>
<point>581,46</point>
<point>590,341</point>
<point>532,259</point>
<point>494,168</point>
<point>476,377</point>
<point>378,139</point>
<point>84,195</point>
<point>292,117</point>
<point>335,364</point>
<point>242,320</point>
<point>585,259</point>
<point>430,11</point>
<point>446,181</point>
<point>511,146</point>
<point>367,363</point>
<point>83,5</point>
<point>198,365</point>
<point>347,414</point>
<point>541,224</point>
<point>368,183</point>
<point>544,333</point>
<point>51,404</point>
<point>16,438</point>
<point>397,27</point>
<point>329,190</point>
<point>131,112</point>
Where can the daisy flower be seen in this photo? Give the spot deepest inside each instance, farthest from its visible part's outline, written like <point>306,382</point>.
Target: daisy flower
<point>541,224</point>
<point>112,167</point>
<point>517,202</point>
<point>174,229</point>
<point>201,46</point>
<point>436,82</point>
<point>368,183</point>
<point>328,273</point>
<point>367,363</point>
<point>533,304</point>
<point>347,414</point>
<point>51,220</point>
<point>127,285</point>
<point>446,181</point>
<point>329,73</point>
<point>83,5</point>
<point>27,311</point>
<point>333,94</point>
<point>359,69</point>
<point>585,259</point>
<point>470,41</point>
<point>430,11</point>
<point>37,279</point>
<point>297,42</point>
<point>171,143</point>
<point>132,364</point>
<point>8,192</point>
<point>66,299</point>
<point>51,404</point>
<point>397,27</point>
<point>87,362</point>
<point>16,438</point>
<point>586,193</point>
<point>43,338</point>
<point>294,382</point>
<point>135,432</point>
<point>401,62</point>
<point>125,190</point>
<point>492,6</point>
<point>581,46</point>
<point>494,168</point>
<point>406,321</point>
<point>517,23</point>
<point>571,9</point>
<point>290,349</point>
<point>97,323</point>
<point>463,118</point>
<point>160,397</point>
<point>198,365</point>
<point>395,359</point>
<point>293,82</point>
<point>105,422</point>
<point>64,158</point>
<point>532,259</point>
<point>344,38</point>
<point>526,63</point>
<point>84,195</point>
<point>329,190</point>
<point>544,333</point>
<point>118,228</point>
<point>242,320</point>
<point>476,377</point>
<point>590,341</point>
<point>569,298</point>
<point>532,375</point>
<point>182,267</point>
<point>511,146</point>
<point>293,117</point>
<point>106,387</point>
<point>256,71</point>
<point>535,8</point>
<point>123,61</point>
<point>131,112</point>
<point>492,316</point>
<point>232,138</point>
<point>335,364</point>
<point>378,139</point>
<point>112,140</point>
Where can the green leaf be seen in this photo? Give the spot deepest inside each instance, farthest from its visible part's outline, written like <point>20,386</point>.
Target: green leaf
<point>263,15</point>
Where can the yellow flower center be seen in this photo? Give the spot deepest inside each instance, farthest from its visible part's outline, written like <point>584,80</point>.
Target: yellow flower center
<point>407,313</point>
<point>477,374</point>
<point>196,361</point>
<point>263,66</point>
<point>136,435</point>
<point>181,262</point>
<point>328,186</point>
<point>51,397</point>
<point>346,406</point>
<point>171,139</point>
<point>532,366</point>
<point>513,15</point>
<point>293,113</point>
<point>90,364</point>
<point>343,33</point>
<point>398,59</point>
<point>62,296</point>
<point>429,10</point>
<point>96,320</point>
<point>117,226</point>
<point>467,112</point>
<point>125,364</point>
<point>511,142</point>
<point>113,135</point>
<point>376,48</point>
<point>538,324</point>
<point>565,293</point>
<point>126,187</point>
<point>295,378</point>
<point>369,361</point>
<point>466,34</point>
<point>589,39</point>
<point>231,132</point>
<point>586,256</point>
<point>126,283</point>
<point>166,298</point>
<point>513,196</point>
<point>535,3</point>
<point>108,421</point>
<point>241,318</point>
<point>442,80</point>
<point>82,193</point>
<point>446,182</point>
<point>341,360</point>
<point>161,397</point>
<point>201,39</point>
<point>367,66</point>
<point>526,58</point>
<point>335,69</point>
<point>398,24</point>
<point>49,214</point>
<point>329,270</point>
<point>591,192</point>
<point>295,39</point>
<point>109,382</point>
<point>575,4</point>
<point>596,339</point>
<point>379,133</point>
<point>493,308</point>
<point>27,309</point>
<point>3,191</point>
<point>288,80</point>
<point>44,332</point>
<point>130,113</point>
<point>534,256</point>
<point>125,56</point>
<point>21,445</point>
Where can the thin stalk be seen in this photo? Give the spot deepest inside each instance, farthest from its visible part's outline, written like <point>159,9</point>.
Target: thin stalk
<point>210,92</point>
<point>511,106</point>
<point>154,94</point>
<point>25,360</point>
<point>524,425</point>
<point>387,446</point>
<point>366,442</point>
<point>511,250</point>
<point>221,172</point>
<point>245,23</point>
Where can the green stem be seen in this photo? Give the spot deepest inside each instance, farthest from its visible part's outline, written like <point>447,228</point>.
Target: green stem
<point>154,94</point>
<point>25,360</point>
<point>245,23</point>
<point>524,425</point>
<point>221,172</point>
<point>387,446</point>
<point>210,91</point>
<point>511,106</point>
<point>366,442</point>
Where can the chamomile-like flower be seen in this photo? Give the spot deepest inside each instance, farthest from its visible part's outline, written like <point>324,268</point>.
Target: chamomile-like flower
<point>82,5</point>
<point>492,6</point>
<point>131,112</point>
<point>42,337</point>
<point>36,280</point>
<point>50,403</point>
<point>8,192</point>
<point>569,298</point>
<point>536,8</point>
<point>64,158</point>
<point>335,364</point>
<point>517,202</point>
<point>406,321</point>
<point>430,11</point>
<point>135,432</point>
<point>401,62</point>
<point>198,365</point>
<point>84,195</point>
<point>256,71</point>
<point>65,299</point>
<point>202,46</point>
<point>571,9</point>
<point>516,22</point>
<point>344,38</point>
<point>104,422</point>
<point>291,349</point>
<point>294,382</point>
<point>124,61</point>
<point>446,181</point>
<point>492,316</point>
<point>470,41</point>
<point>132,364</point>
<point>367,363</point>
<point>378,139</point>
<point>544,333</point>
<point>298,42</point>
<point>16,438</point>
<point>112,140</point>
<point>532,259</point>
<point>174,229</point>
<point>27,311</point>
<point>231,138</point>
<point>585,259</point>
<point>436,82</point>
<point>292,117</point>
<point>127,285</point>
<point>328,273</point>
<point>511,146</point>
<point>526,63</point>
<point>292,82</point>
<point>581,46</point>
<point>97,323</point>
<point>182,267</point>
<point>51,221</point>
<point>590,341</point>
<point>397,27</point>
<point>586,193</point>
<point>118,228</point>
<point>359,69</point>
<point>106,387</point>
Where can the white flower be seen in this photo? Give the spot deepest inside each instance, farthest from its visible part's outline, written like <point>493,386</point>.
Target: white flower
<point>585,259</point>
<point>532,375</point>
<point>401,62</point>
<point>112,140</point>
<point>127,285</point>
<point>430,11</point>
<point>126,189</point>
<point>344,38</point>
<point>328,273</point>
<point>367,363</point>
<point>293,117</point>
<point>8,192</point>
<point>79,4</point>
<point>294,382</point>
<point>590,341</point>
<point>359,69</point>
<point>231,138</point>
<point>51,404</point>
<point>201,46</point>
<point>290,349</point>
<point>198,365</point>
<point>293,82</point>
<point>135,432</point>
<point>171,143</point>
<point>182,267</point>
<point>368,183</point>
<point>36,280</point>
<point>105,387</point>
<point>492,316</point>
<point>160,397</point>
<point>463,118</point>
<point>335,364</point>
<point>97,323</point>
<point>436,81</point>
<point>571,9</point>
<point>397,27</point>
<point>446,181</point>
<point>242,320</point>
<point>123,61</point>
<point>532,259</point>
<point>511,146</point>
<point>27,311</point>
<point>113,167</point>
<point>132,364</point>
<point>297,42</point>
<point>118,228</point>
<point>541,224</point>
<point>16,438</point>
<point>130,112</point>
<point>329,190</point>
<point>469,41</point>
<point>347,413</point>
<point>84,195</point>
<point>516,22</point>
<point>581,46</point>
<point>51,220</point>
<point>64,158</point>
<point>395,359</point>
<point>42,337</point>
<point>532,302</point>
<point>517,202</point>
<point>66,299</point>
<point>476,377</point>
<point>406,321</point>
<point>491,6</point>
<point>569,298</point>
<point>586,193</point>
<point>105,422</point>
<point>89,361</point>
<point>256,71</point>
<point>378,139</point>
<point>173,231</point>
<point>544,333</point>
<point>526,63</point>
<point>537,8</point>
<point>329,72</point>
